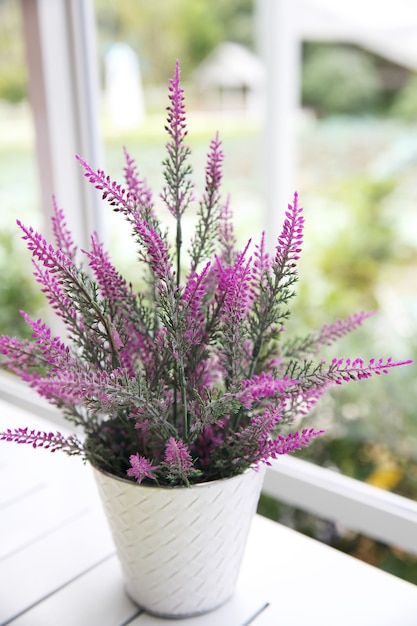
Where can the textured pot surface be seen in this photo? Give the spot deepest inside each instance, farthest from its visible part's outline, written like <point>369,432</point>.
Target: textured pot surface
<point>180,549</point>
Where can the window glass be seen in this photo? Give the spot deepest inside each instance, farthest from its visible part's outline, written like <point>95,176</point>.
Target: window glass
<point>356,172</point>
<point>19,187</point>
<point>139,43</point>
<point>356,146</point>
<point>357,168</point>
<point>357,151</point>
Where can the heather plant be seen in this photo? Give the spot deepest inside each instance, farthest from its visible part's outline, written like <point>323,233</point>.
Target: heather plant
<point>193,378</point>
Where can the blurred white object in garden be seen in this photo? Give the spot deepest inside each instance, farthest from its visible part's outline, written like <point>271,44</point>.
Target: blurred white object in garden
<point>236,75</point>
<point>123,89</point>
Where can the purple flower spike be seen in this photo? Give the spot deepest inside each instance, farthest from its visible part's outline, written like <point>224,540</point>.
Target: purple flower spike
<point>137,186</point>
<point>177,125</point>
<point>226,234</point>
<point>178,461</point>
<point>330,333</point>
<point>177,455</point>
<point>293,441</point>
<point>141,468</point>
<point>208,226</point>
<point>63,237</point>
<point>40,439</point>
<point>290,240</point>
<point>178,192</point>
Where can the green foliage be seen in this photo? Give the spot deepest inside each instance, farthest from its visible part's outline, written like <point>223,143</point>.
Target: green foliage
<point>353,261</point>
<point>339,80</point>
<point>13,83</point>
<point>359,256</point>
<point>405,104</point>
<point>160,31</point>
<point>17,289</point>
<point>353,249</point>
<point>12,62</point>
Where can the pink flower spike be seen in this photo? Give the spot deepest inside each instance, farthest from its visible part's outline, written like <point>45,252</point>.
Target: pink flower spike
<point>40,439</point>
<point>177,126</point>
<point>226,233</point>
<point>177,456</point>
<point>112,191</point>
<point>62,235</point>
<point>260,387</point>
<point>141,468</point>
<point>178,192</point>
<point>293,441</point>
<point>290,240</point>
<point>342,370</point>
<point>331,332</point>
<point>178,461</point>
<point>136,185</point>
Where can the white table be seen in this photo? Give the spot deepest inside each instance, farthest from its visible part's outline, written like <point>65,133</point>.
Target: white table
<point>58,567</point>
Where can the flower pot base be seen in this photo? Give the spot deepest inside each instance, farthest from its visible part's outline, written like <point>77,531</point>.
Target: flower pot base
<point>173,615</point>
<point>180,548</point>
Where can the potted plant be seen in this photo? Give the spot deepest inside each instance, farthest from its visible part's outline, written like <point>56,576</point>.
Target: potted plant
<point>184,390</point>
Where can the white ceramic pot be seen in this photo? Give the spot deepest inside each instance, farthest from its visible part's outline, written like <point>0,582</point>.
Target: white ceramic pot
<point>180,548</point>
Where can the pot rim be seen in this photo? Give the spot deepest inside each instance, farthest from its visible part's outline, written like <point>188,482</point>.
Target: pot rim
<point>258,469</point>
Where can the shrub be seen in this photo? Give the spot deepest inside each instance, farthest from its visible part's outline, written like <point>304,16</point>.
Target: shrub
<point>339,80</point>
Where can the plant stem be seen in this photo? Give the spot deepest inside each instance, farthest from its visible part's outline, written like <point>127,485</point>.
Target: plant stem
<point>185,424</point>
<point>178,249</point>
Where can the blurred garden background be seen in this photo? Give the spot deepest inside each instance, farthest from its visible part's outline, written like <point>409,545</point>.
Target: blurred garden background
<point>355,174</point>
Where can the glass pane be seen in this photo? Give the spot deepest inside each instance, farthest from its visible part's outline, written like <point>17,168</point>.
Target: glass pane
<point>357,163</point>
<point>19,187</point>
<point>361,251</point>
<point>356,176</point>
<point>135,69</point>
<point>357,147</point>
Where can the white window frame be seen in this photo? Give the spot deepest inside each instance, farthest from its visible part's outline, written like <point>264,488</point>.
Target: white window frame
<point>364,508</point>
<point>353,504</point>
<point>63,85</point>
<point>60,39</point>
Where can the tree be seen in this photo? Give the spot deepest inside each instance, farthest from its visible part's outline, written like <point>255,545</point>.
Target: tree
<point>161,31</point>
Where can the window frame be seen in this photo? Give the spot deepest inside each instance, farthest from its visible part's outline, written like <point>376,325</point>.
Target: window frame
<point>60,45</point>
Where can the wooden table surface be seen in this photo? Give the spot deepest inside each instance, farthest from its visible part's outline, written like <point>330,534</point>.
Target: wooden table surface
<point>58,566</point>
